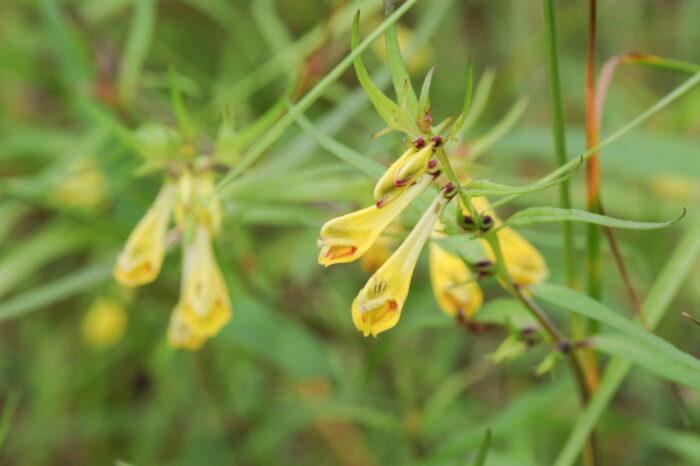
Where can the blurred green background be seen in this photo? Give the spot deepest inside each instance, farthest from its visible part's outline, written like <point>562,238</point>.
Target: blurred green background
<point>289,380</point>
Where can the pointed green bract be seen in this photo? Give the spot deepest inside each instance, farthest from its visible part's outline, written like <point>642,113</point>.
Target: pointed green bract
<point>387,109</point>
<point>402,81</point>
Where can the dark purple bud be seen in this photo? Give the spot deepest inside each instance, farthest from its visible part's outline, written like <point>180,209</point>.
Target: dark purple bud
<point>485,264</point>
<point>419,143</point>
<point>468,220</point>
<point>432,164</point>
<point>529,330</point>
<point>437,141</point>
<point>563,346</point>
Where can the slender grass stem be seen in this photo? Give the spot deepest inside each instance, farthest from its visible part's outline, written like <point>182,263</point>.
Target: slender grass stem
<point>558,134</point>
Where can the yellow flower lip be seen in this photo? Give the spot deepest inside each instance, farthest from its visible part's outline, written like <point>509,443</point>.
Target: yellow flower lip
<point>142,257</point>
<point>346,238</point>
<point>378,305</point>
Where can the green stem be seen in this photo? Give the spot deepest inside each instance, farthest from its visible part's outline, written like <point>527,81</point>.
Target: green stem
<point>558,135</point>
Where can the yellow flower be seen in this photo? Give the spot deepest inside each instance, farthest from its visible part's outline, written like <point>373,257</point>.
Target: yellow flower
<point>83,185</point>
<point>402,173</point>
<point>140,261</point>
<point>452,283</point>
<point>204,303</point>
<point>195,192</point>
<point>104,323</point>
<point>378,305</point>
<point>180,335</point>
<point>347,238</point>
<point>523,262</point>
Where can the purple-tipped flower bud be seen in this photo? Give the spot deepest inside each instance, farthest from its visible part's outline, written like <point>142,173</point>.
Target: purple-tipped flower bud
<point>437,141</point>
<point>419,143</point>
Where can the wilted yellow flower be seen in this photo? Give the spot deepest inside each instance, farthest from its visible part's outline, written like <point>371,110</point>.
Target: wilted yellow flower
<point>402,173</point>
<point>347,238</point>
<point>104,323</point>
<point>523,262</point>
<point>452,283</point>
<point>180,335</point>
<point>378,305</point>
<point>195,192</point>
<point>204,303</point>
<point>142,257</point>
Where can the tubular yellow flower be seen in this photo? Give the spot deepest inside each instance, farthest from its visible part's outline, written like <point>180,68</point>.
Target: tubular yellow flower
<point>180,335</point>
<point>104,323</point>
<point>194,192</point>
<point>347,238</point>
<point>524,263</point>
<point>402,173</point>
<point>378,305</point>
<point>450,278</point>
<point>140,261</point>
<point>204,303</point>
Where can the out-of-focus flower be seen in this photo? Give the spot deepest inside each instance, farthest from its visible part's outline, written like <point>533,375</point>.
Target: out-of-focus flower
<point>523,262</point>
<point>378,305</point>
<point>347,238</point>
<point>104,323</point>
<point>142,257</point>
<point>204,304</point>
<point>82,185</point>
<point>674,187</point>
<point>180,335</point>
<point>195,192</point>
<point>455,290</point>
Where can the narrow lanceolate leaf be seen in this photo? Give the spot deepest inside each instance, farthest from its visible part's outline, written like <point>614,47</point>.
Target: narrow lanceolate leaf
<point>387,109</point>
<point>484,450</point>
<point>488,188</point>
<point>137,44</point>
<point>402,82</point>
<point>555,214</point>
<point>646,342</point>
<point>467,99</point>
<point>654,361</point>
<point>424,100</point>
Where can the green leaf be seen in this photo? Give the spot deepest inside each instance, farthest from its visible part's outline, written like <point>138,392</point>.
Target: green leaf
<point>483,450</point>
<point>54,291</point>
<point>651,360</point>
<point>477,105</point>
<point>577,302</point>
<point>424,101</point>
<point>181,114</point>
<point>387,109</point>
<point>402,81</point>
<point>488,188</point>
<point>136,48</point>
<point>8,412</point>
<point>468,87</point>
<point>555,214</point>
<point>364,164</point>
<point>659,298</point>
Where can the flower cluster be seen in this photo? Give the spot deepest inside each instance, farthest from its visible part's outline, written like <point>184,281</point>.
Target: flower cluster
<point>204,306</point>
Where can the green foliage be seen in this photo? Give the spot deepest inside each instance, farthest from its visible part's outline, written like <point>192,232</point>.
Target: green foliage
<point>103,99</point>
